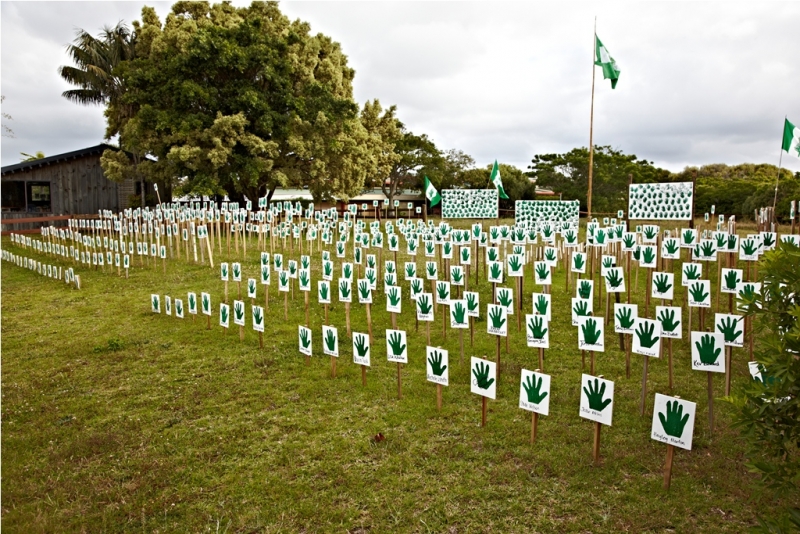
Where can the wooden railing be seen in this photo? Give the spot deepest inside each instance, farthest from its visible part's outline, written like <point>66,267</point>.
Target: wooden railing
<point>13,221</point>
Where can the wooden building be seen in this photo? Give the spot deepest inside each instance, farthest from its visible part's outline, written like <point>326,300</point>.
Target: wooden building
<point>65,184</point>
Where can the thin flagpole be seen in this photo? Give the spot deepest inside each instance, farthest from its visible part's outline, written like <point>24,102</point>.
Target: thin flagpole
<point>591,128</point>
<point>780,162</point>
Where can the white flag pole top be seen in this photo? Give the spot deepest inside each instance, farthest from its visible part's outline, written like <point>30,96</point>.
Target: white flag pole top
<point>791,144</point>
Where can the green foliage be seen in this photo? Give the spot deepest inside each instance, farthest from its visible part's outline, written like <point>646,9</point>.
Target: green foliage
<point>767,411</point>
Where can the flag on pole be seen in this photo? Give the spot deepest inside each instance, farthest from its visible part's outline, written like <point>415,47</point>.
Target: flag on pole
<point>497,181</point>
<point>604,60</point>
<point>431,193</point>
<point>791,139</point>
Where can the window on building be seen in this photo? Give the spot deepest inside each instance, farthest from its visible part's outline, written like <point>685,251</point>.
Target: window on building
<point>13,195</point>
<point>39,196</point>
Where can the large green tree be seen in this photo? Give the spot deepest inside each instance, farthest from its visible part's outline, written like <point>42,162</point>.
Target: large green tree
<point>568,175</point>
<point>243,100</point>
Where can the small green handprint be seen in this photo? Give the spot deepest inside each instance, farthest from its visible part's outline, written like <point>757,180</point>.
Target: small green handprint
<point>206,304</point>
<point>304,280</point>
<point>305,262</point>
<point>608,263</point>
<point>581,309</point>
<point>578,262</point>
<point>435,359</point>
<point>722,241</point>
<point>698,293</point>
<point>629,240</point>
<point>536,327</point>
<point>416,286</point>
<point>688,237</point>
<point>542,272</point>
<point>533,388</point>
<point>614,279</point>
<point>481,372</point>
<point>305,338</point>
<point>363,289</point>
<point>495,271</point>
<point>541,305</point>
<point>472,302</point>
<point>496,316</point>
<point>394,297</point>
<point>492,254</point>
<point>668,322</point>
<point>347,270</point>
<point>504,298</point>
<point>344,289</point>
<point>747,293</point>
<point>390,267</point>
<point>323,292</point>
<point>464,254</point>
<point>585,289</point>
<point>223,314</point>
<point>690,272</point>
<point>257,316</point>
<point>371,276</point>
<point>675,420</point>
<point>424,305</point>
<point>411,270</point>
<point>637,253</point>
<point>707,350</point>
<point>749,247</point>
<point>731,280</point>
<point>459,313</point>
<point>729,328</point>
<point>192,302</point>
<point>155,304</point>
<point>768,239</point>
<point>431,270</point>
<point>595,393</point>
<point>442,291</point>
<point>650,232</point>
<point>514,264</point>
<point>591,334</point>
<point>645,334</point>
<point>732,242</point>
<point>456,275</point>
<point>550,254</point>
<point>361,345</point>
<point>661,283</point>
<point>671,246</point>
<point>648,255</point>
<point>396,343</point>
<point>251,286</point>
<point>238,309</point>
<point>625,317</point>
<point>707,248</point>
<point>330,340</point>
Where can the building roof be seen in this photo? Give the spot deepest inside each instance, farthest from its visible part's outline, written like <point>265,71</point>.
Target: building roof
<point>50,160</point>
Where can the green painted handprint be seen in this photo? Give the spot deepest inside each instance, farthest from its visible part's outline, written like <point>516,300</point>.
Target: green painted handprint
<point>749,247</point>
<point>481,373</point>
<point>396,343</point>
<point>729,328</point>
<point>423,305</point>
<point>671,246</point>
<point>435,359</point>
<point>668,322</point>
<point>585,289</point>
<point>442,291</point>
<point>416,287</point>
<point>456,275</point>
<point>495,271</point>
<point>645,334</point>
<point>431,270</point>
<point>581,309</point>
<point>514,264</point>
<point>363,289</point>
<point>707,350</point>
<point>650,232</point>
<point>690,272</point>
<point>536,327</point>
<point>541,305</point>
<point>533,388</point>
<point>305,338</point>
<point>698,293</point>
<point>459,313</point>
<point>591,334</point>
<point>361,345</point>
<point>614,279</point>
<point>394,297</point>
<point>648,255</point>
<point>731,280</point>
<point>675,420</point>
<point>504,298</point>
<point>344,289</point>
<point>472,302</point>
<point>688,237</point>
<point>496,316</point>
<point>330,341</point>
<point>578,262</point>
<point>411,270</point>
<point>661,283</point>
<point>542,272</point>
<point>595,393</point>
<point>625,317</point>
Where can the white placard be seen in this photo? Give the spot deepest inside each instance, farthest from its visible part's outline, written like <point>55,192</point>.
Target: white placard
<point>534,392</point>
<point>673,421</point>
<point>597,399</point>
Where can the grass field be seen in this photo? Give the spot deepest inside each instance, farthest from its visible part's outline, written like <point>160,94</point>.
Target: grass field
<point>118,419</point>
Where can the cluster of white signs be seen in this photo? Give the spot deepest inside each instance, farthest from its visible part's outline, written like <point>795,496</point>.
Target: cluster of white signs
<point>47,270</point>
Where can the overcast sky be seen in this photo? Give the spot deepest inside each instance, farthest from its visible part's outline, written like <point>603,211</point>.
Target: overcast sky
<point>700,83</point>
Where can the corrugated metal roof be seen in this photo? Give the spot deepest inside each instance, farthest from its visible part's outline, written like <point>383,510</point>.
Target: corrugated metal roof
<point>82,153</point>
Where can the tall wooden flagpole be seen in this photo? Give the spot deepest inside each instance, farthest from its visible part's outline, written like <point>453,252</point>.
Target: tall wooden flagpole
<point>591,127</point>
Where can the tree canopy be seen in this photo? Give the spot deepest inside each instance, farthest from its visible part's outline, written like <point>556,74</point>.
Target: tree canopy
<point>236,100</point>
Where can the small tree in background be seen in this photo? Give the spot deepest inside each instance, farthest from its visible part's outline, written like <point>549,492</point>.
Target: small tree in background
<point>768,408</point>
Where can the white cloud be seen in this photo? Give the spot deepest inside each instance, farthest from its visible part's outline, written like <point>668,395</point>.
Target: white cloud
<point>700,83</point>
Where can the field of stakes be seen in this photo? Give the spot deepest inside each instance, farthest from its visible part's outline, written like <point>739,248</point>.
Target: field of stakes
<point>118,419</point>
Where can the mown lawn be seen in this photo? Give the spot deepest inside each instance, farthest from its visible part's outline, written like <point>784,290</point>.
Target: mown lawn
<point>118,419</point>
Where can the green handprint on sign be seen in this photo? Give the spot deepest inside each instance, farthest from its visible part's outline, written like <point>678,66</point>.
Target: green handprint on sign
<point>747,293</point>
<point>251,286</point>
<point>585,289</point>
<point>722,241</point>
<point>697,291</point>
<point>496,316</point>
<point>416,286</point>
<point>690,272</point>
<point>328,268</point>
<point>305,339</point>
<point>472,302</point>
<point>435,359</point>
<point>671,246</point>
<point>707,248</point>
<point>363,289</point>
<point>411,270</point>
<point>206,304</point>
<point>448,249</point>
<point>344,289</point>
<point>330,341</point>
<point>347,270</point>
<point>637,253</point>
<point>223,314</point>
<point>608,263</point>
<point>668,322</point>
<point>749,247</point>
<point>323,292</point>
<point>768,240</point>
<point>431,270</point>
<point>729,328</point>
<point>361,345</point>
<point>578,262</point>
<point>536,327</point>
<point>542,272</point>
<point>192,302</point>
<point>459,313</point>
<point>581,309</point>
<point>412,246</point>
<point>481,373</point>
<point>661,283</point>
<point>533,388</point>
<point>629,240</point>
<point>371,262</point>
<point>304,280</point>
<point>625,317</point>
<point>442,291</point>
<point>595,393</point>
<point>257,316</point>
<point>495,271</point>
<point>390,268</point>
<point>393,241</point>
<point>550,255</point>
<point>514,264</point>
<point>424,305</point>
<point>371,276</point>
<point>238,309</point>
<point>388,279</point>
<point>645,335</point>
<point>305,262</point>
<point>614,279</point>
<point>591,334</point>
<point>394,298</point>
<point>464,254</point>
<point>495,234</point>
<point>456,276</point>
<point>492,254</point>
<point>396,343</point>
<point>675,420</point>
<point>155,304</point>
<point>688,237</point>
<point>429,247</point>
<point>504,298</point>
<point>731,280</point>
<point>707,350</point>
<point>648,255</point>
<point>650,232</point>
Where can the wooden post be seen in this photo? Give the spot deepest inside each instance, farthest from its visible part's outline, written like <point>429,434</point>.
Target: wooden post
<point>364,375</point>
<point>668,466</point>
<point>534,425</point>
<point>347,317</point>
<point>710,401</point>
<point>483,411</point>
<point>596,448</point>
<point>286,306</point>
<point>669,352</point>
<point>728,373</point>
<point>333,366</point>
<point>644,386</point>
<point>591,362</point>
<point>399,383</point>
<point>438,397</point>
<point>306,305</point>
<point>498,355</point>
<point>541,358</point>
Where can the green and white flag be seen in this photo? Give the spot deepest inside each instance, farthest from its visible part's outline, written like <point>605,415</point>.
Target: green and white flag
<point>431,193</point>
<point>497,181</point>
<point>791,139</point>
<point>604,60</point>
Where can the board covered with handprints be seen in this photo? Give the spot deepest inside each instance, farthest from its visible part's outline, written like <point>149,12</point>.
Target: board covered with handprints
<point>533,213</point>
<point>660,201</point>
<point>469,203</point>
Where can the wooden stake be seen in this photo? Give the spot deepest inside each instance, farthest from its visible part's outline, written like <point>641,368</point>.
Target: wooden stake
<point>286,306</point>
<point>644,386</point>
<point>534,425</point>
<point>399,383</point>
<point>541,358</point>
<point>306,305</point>
<point>596,448</point>
<point>438,397</point>
<point>260,339</point>
<point>347,317</point>
<point>483,411</point>
<point>668,466</point>
<point>333,366</point>
<point>364,375</point>
<point>669,352</point>
<point>710,401</point>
